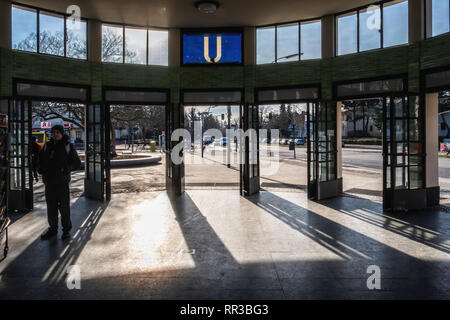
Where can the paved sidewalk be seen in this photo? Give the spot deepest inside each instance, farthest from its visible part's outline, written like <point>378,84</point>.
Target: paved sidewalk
<point>210,174</point>
<point>144,178</point>
<point>363,146</point>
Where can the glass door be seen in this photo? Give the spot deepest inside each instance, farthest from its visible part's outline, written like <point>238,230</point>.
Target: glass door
<point>20,184</point>
<point>311,150</point>
<point>174,169</point>
<point>403,153</point>
<point>168,137</point>
<point>180,168</point>
<point>108,137</point>
<point>322,151</point>
<point>94,183</point>
<point>250,142</point>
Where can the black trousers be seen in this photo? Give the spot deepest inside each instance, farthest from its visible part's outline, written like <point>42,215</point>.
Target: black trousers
<point>35,173</point>
<point>57,197</point>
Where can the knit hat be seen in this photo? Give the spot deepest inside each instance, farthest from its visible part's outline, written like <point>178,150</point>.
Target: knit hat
<point>58,127</point>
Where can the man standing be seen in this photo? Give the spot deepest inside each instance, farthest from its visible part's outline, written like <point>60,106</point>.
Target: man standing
<point>56,160</point>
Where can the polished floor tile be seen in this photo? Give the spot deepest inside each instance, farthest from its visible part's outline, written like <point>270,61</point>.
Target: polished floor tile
<point>217,245</point>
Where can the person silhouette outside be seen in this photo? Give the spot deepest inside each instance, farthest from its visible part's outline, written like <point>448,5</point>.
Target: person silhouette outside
<point>35,148</point>
<point>56,161</point>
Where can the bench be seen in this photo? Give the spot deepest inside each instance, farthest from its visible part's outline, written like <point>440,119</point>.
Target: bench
<point>139,143</point>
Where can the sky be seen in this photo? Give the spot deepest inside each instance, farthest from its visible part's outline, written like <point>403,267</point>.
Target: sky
<point>287,39</point>
<point>395,22</point>
<point>136,41</point>
<point>217,111</point>
<point>441,23</point>
<point>24,23</point>
<point>395,32</point>
<point>395,29</point>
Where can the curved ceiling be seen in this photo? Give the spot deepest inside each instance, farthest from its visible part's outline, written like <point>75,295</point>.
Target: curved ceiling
<point>183,14</point>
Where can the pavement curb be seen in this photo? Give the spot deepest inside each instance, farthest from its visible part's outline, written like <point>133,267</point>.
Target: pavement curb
<point>132,162</point>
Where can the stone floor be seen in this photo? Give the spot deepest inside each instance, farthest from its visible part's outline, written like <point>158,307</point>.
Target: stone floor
<point>218,245</point>
<point>286,175</point>
<point>141,178</point>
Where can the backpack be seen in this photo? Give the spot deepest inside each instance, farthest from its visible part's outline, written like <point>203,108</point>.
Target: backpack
<point>74,159</point>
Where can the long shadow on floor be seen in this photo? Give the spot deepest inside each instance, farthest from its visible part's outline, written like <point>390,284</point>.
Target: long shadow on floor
<point>210,252</point>
<point>429,227</point>
<point>356,250</point>
<point>282,185</point>
<point>217,274</point>
<point>43,264</point>
<point>376,193</point>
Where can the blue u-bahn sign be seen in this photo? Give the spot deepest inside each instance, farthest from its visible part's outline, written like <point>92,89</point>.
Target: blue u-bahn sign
<point>212,48</point>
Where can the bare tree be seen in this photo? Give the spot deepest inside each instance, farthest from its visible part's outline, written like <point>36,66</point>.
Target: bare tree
<point>68,112</point>
<point>363,110</point>
<point>150,119</point>
<point>191,117</point>
<point>112,48</point>
<point>53,43</point>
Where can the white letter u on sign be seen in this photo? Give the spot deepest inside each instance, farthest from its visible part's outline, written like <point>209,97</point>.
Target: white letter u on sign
<point>206,49</point>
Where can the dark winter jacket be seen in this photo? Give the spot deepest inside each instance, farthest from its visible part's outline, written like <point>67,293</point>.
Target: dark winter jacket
<point>35,154</point>
<point>57,159</point>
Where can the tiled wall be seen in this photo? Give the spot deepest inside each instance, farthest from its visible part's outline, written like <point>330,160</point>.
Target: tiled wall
<point>405,59</point>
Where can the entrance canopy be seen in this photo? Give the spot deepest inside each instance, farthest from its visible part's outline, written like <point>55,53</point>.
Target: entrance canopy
<point>231,96</point>
<point>50,91</point>
<point>279,95</point>
<point>437,80</point>
<point>136,96</point>
<point>369,88</point>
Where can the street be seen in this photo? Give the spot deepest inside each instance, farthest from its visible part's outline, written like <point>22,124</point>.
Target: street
<point>362,170</point>
<point>362,157</point>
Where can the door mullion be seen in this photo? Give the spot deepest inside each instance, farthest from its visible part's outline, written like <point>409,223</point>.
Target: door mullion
<point>22,147</point>
<point>316,148</point>
<point>107,136</point>
<point>30,129</point>
<point>393,141</point>
<point>406,156</point>
<point>384,147</point>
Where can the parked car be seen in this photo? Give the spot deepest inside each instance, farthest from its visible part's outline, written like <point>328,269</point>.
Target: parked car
<point>41,137</point>
<point>275,141</point>
<point>447,144</point>
<point>208,140</point>
<point>299,141</point>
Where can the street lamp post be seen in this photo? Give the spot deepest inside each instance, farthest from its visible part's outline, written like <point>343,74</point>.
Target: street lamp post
<point>132,139</point>
<point>228,142</point>
<point>288,57</point>
<point>201,118</point>
<point>293,139</point>
<point>292,125</point>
